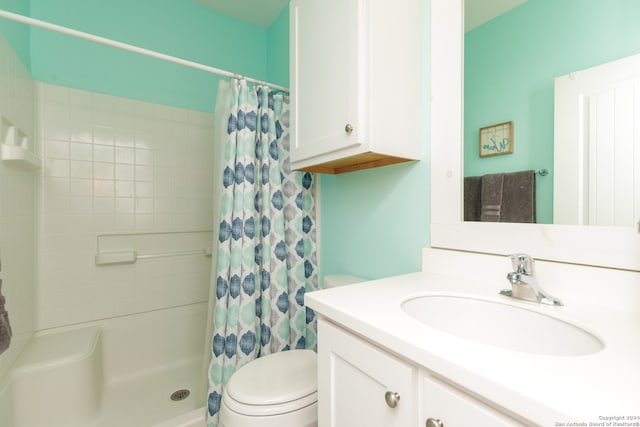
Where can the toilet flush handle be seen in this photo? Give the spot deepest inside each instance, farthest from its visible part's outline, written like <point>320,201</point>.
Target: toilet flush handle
<point>392,399</point>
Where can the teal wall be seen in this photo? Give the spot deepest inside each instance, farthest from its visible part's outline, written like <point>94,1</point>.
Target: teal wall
<point>179,28</point>
<point>17,35</point>
<point>510,66</point>
<point>278,49</point>
<point>375,222</point>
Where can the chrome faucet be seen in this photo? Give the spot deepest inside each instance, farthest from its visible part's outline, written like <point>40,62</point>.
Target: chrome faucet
<point>524,284</point>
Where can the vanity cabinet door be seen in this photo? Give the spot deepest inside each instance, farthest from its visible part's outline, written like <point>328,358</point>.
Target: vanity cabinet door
<point>360,385</point>
<point>454,408</point>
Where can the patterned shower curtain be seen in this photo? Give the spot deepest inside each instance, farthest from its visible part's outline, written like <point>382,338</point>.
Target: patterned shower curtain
<point>266,245</point>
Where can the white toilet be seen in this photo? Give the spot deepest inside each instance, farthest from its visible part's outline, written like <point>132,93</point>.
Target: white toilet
<point>278,390</point>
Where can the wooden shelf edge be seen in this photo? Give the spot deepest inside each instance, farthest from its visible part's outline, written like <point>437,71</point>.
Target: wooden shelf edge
<point>355,163</point>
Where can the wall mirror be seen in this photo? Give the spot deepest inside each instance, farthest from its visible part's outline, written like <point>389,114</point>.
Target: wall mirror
<point>511,65</point>
<point>611,246</point>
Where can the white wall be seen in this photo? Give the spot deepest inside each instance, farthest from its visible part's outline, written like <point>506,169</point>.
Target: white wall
<point>17,207</point>
<point>110,166</point>
<point>114,165</point>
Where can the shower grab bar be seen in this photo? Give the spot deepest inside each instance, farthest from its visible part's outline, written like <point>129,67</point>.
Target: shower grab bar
<point>204,251</point>
<point>131,256</point>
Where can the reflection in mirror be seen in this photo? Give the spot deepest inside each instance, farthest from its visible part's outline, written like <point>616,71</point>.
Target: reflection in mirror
<point>511,63</point>
<point>605,246</point>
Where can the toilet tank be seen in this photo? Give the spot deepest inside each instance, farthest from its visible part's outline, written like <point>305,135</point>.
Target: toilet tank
<point>335,280</point>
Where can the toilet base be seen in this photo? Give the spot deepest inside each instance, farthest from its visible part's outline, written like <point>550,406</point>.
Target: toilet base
<point>304,417</point>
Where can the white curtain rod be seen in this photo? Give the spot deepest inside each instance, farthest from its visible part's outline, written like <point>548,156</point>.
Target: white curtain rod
<point>124,46</point>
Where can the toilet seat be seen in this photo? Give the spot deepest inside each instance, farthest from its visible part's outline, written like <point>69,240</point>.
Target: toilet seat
<point>279,383</point>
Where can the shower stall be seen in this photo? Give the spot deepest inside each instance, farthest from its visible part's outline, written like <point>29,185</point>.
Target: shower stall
<point>116,278</point>
<point>108,212</point>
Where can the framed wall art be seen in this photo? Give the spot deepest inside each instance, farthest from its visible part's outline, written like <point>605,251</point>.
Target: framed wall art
<point>496,139</point>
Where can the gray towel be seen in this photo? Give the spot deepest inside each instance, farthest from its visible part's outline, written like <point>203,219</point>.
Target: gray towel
<point>472,186</point>
<point>501,197</point>
<point>491,197</point>
<point>5,327</point>
<point>519,197</point>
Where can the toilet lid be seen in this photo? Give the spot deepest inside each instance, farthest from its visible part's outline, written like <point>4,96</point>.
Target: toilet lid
<point>276,379</point>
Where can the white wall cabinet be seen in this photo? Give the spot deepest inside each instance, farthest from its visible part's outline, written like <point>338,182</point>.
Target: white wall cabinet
<point>355,380</point>
<point>355,83</point>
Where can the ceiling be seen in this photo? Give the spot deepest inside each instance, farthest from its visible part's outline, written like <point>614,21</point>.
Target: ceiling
<point>477,12</point>
<point>262,13</point>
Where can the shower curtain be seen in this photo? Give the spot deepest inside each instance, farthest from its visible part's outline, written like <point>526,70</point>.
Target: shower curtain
<point>266,245</point>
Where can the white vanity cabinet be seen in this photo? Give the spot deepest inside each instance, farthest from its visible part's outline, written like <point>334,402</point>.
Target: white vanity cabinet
<point>359,385</point>
<point>453,408</point>
<point>355,83</point>
<point>362,385</point>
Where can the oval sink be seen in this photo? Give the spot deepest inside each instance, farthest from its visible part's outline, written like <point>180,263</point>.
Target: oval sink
<point>502,325</point>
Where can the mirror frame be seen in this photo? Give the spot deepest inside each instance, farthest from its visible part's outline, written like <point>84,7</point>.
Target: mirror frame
<point>614,247</point>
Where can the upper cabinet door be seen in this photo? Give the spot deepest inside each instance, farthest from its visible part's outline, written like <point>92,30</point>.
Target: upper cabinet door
<point>355,83</point>
<point>327,66</point>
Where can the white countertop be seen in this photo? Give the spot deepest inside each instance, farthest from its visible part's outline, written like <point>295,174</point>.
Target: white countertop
<point>541,388</point>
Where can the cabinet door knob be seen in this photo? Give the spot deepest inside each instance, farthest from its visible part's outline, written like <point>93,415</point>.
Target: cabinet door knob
<point>392,399</point>
<point>348,128</point>
<point>434,422</point>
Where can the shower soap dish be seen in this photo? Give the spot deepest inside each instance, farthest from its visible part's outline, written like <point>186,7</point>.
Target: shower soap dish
<point>15,147</point>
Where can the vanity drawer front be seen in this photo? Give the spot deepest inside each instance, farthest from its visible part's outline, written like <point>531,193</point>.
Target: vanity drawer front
<point>360,385</point>
<point>457,409</point>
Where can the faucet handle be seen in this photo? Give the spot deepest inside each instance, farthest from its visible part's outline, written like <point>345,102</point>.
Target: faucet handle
<point>522,263</point>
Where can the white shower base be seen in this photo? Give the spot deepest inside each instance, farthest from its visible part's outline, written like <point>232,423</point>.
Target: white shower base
<point>195,418</point>
<point>117,372</point>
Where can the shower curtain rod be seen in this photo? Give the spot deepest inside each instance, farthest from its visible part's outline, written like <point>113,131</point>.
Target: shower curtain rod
<point>124,46</point>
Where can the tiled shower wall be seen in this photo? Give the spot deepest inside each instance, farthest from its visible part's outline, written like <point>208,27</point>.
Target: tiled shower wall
<point>17,208</point>
<point>118,166</point>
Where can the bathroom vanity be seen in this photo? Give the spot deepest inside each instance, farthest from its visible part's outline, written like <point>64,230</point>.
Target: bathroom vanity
<point>485,359</point>
<point>382,364</point>
<point>355,375</point>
